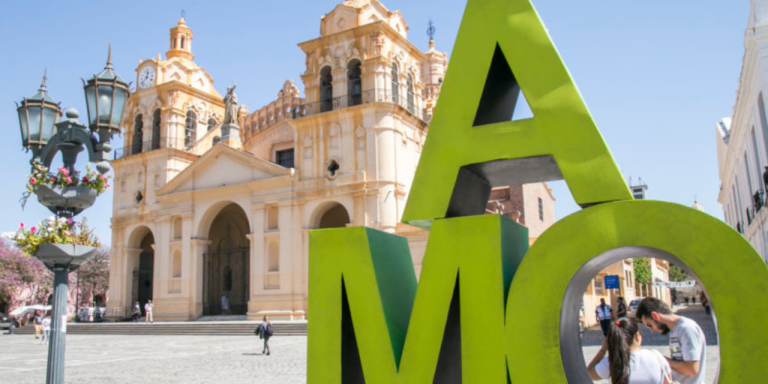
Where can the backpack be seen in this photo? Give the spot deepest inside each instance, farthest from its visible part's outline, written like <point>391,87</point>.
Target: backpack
<point>270,331</point>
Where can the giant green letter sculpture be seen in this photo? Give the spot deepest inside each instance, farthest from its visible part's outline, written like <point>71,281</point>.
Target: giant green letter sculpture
<point>483,313</point>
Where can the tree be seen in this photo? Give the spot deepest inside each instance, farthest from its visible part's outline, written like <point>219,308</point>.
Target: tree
<point>676,273</point>
<point>642,269</point>
<point>94,277</point>
<point>23,280</point>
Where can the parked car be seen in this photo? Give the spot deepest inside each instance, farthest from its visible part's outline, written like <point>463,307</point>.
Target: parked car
<point>634,304</point>
<point>91,314</point>
<point>6,322</point>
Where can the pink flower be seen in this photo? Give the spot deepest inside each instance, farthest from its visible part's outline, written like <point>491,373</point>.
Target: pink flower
<point>32,181</point>
<point>53,179</point>
<point>33,229</point>
<point>21,225</point>
<point>64,171</point>
<point>101,177</point>
<point>68,233</point>
<point>70,221</point>
<point>69,180</point>
<point>85,179</point>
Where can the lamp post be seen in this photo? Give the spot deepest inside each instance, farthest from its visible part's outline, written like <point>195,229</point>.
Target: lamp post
<point>44,135</point>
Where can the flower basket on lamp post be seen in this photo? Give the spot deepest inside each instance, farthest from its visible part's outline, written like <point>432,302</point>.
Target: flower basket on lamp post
<point>66,201</point>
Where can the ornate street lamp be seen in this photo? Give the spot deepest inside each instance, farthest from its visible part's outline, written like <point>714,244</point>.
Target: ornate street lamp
<point>38,116</point>
<point>45,135</point>
<point>105,97</point>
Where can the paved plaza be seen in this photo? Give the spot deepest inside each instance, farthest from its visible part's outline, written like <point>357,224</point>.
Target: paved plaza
<point>158,359</point>
<point>214,359</point>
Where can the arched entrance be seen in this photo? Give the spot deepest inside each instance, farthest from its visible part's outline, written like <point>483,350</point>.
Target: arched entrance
<point>226,266</point>
<point>335,217</point>
<point>143,275</point>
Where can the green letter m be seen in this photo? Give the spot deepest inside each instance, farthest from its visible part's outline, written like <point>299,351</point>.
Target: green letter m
<point>370,324</point>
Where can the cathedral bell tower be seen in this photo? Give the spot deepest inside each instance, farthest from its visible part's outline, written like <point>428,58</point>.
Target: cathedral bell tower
<point>181,41</point>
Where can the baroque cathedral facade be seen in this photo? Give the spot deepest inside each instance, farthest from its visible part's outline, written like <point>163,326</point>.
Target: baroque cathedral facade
<point>206,223</point>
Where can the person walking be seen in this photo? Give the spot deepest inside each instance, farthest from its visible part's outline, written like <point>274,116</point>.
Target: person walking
<point>604,314</point>
<point>136,312</point>
<point>687,343</point>
<point>148,307</point>
<point>705,304</point>
<point>626,362</point>
<point>265,332</point>
<point>37,322</point>
<point>621,308</point>
<point>46,325</point>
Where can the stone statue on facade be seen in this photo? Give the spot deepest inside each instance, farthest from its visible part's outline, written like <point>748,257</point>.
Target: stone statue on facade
<point>230,129</point>
<point>230,106</point>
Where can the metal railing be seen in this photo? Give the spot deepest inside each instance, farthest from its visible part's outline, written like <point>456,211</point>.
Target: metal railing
<point>370,96</point>
<point>165,142</point>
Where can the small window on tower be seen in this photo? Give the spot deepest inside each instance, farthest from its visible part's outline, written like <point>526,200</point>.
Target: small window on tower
<point>182,42</point>
<point>541,209</point>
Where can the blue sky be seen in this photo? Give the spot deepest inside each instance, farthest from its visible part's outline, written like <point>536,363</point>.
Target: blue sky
<point>656,75</point>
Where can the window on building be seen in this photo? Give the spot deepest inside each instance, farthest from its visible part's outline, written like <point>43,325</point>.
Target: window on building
<point>156,129</point>
<point>763,120</point>
<point>599,285</point>
<point>285,158</point>
<point>176,264</point>
<point>737,196</point>
<point>758,169</point>
<point>190,131</point>
<point>354,84</point>
<point>749,174</point>
<point>177,228</point>
<point>272,218</point>
<point>211,124</point>
<point>326,89</point>
<point>411,103</point>
<point>541,209</point>
<point>395,83</point>
<point>138,134</point>
<point>182,42</point>
<point>273,260</point>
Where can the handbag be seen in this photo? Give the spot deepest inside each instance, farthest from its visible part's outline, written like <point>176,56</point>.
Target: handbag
<point>662,361</point>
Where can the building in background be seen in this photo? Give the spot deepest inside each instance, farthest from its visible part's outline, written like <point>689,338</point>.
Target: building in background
<point>742,140</point>
<point>529,204</point>
<point>206,223</point>
<point>629,288</point>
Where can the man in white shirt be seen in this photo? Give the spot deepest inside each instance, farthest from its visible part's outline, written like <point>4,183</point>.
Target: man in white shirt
<point>687,344</point>
<point>604,314</point>
<point>148,307</point>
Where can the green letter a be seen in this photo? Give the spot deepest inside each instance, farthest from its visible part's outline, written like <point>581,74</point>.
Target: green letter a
<point>502,48</point>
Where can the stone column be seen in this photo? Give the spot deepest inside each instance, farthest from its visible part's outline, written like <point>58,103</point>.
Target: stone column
<point>257,272</point>
<point>129,264</point>
<point>386,175</point>
<point>198,247</point>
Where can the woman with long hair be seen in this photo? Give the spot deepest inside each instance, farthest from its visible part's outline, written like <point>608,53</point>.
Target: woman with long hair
<point>626,362</point>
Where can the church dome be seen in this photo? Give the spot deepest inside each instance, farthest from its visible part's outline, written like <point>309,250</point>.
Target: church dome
<point>697,206</point>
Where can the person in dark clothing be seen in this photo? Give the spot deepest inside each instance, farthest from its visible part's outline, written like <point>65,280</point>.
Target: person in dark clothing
<point>621,310</point>
<point>265,332</point>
